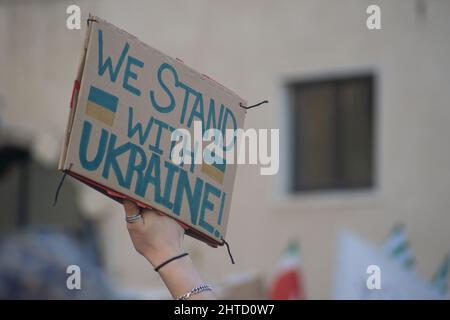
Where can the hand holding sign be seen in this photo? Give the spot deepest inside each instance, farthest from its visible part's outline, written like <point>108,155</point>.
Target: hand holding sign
<point>157,237</point>
<point>131,99</point>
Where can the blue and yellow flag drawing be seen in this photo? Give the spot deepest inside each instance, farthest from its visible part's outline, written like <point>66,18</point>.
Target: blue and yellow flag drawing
<point>102,105</point>
<point>215,171</point>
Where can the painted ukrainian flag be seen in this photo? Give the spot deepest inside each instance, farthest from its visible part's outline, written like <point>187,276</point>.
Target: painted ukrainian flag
<point>102,105</point>
<point>215,171</point>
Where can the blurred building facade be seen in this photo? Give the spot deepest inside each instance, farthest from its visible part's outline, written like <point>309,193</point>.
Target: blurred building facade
<point>256,48</point>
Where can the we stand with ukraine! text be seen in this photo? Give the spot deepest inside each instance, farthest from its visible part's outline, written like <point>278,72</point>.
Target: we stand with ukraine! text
<point>130,101</point>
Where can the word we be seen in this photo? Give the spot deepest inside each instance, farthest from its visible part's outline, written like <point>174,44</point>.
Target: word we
<point>221,150</point>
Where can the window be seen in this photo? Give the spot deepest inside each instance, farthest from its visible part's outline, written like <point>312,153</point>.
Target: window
<point>332,130</point>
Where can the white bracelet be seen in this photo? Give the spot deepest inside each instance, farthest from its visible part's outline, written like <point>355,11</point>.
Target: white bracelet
<point>195,290</point>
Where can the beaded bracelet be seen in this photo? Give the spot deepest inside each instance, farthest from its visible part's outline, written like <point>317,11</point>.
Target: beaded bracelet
<point>195,290</point>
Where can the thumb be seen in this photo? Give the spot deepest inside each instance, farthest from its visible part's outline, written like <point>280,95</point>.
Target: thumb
<point>131,208</point>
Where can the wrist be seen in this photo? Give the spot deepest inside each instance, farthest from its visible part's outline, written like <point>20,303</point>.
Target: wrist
<point>162,254</point>
<point>180,276</point>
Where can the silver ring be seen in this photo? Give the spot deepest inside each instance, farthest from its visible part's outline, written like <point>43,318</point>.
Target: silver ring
<point>133,218</point>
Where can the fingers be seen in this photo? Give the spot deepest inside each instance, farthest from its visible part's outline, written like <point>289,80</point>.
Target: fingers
<point>130,207</point>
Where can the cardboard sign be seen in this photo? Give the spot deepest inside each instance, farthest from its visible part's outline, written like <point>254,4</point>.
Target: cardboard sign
<point>128,98</point>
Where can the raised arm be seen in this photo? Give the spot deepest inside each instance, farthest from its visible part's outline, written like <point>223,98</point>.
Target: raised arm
<point>159,238</point>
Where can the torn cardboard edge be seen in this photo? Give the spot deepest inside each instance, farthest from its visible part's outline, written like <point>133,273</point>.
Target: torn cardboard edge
<point>74,100</point>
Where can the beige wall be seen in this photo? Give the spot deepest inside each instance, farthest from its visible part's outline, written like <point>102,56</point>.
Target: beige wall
<point>251,47</point>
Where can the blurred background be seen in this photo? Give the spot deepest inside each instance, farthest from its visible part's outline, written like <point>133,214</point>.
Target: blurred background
<point>364,176</point>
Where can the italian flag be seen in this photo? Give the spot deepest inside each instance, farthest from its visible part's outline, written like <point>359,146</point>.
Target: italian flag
<point>440,278</point>
<point>287,283</point>
<point>397,247</point>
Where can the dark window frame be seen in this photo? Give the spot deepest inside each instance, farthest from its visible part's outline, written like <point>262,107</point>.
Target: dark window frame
<point>337,82</point>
